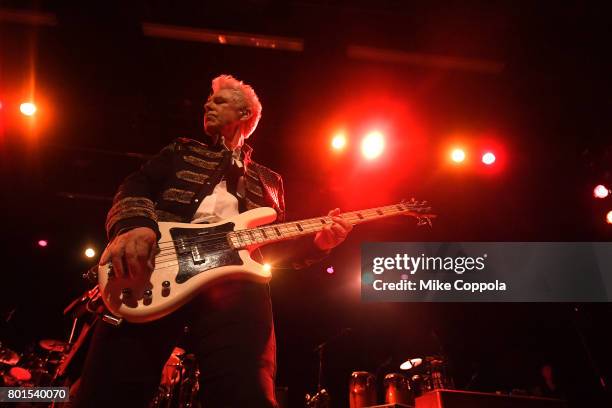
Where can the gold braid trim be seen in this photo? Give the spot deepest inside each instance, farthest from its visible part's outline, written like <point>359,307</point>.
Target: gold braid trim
<point>196,161</point>
<point>167,216</point>
<point>180,196</point>
<point>205,152</point>
<point>192,176</point>
<point>252,174</point>
<point>130,207</point>
<point>254,188</point>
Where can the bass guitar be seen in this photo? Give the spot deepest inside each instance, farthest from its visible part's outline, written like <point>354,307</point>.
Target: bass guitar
<point>193,255</point>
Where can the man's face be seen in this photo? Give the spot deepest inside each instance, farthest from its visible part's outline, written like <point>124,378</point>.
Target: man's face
<point>222,114</point>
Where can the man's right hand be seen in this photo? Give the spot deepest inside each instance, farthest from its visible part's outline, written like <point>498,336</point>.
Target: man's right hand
<point>132,253</point>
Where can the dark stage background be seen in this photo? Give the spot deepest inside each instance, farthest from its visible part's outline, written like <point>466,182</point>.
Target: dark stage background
<point>104,89</point>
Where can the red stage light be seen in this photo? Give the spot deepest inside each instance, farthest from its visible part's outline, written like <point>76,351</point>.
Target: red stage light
<point>609,217</point>
<point>338,141</point>
<point>372,145</point>
<point>601,191</point>
<point>27,108</point>
<point>488,158</point>
<point>458,155</point>
<point>330,269</point>
<point>43,243</point>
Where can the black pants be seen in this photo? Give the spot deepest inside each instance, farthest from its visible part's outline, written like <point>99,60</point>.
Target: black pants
<point>231,333</point>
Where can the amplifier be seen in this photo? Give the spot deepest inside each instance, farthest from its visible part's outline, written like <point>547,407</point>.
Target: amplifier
<point>468,399</point>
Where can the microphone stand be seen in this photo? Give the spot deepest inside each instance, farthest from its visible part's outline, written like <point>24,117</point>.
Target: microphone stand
<point>321,398</point>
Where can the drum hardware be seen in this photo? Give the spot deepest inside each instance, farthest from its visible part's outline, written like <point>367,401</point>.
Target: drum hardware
<point>318,400</point>
<point>432,373</point>
<point>8,356</point>
<point>179,385</point>
<point>53,345</point>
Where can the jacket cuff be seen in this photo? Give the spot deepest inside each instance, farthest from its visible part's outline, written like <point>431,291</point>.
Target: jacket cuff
<point>127,224</point>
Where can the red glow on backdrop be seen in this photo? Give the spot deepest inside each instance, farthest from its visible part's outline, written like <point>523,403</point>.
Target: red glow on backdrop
<point>43,243</point>
<point>370,168</point>
<point>609,217</point>
<point>373,145</point>
<point>600,191</point>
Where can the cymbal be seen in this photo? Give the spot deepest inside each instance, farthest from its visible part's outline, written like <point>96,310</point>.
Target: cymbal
<point>53,345</point>
<point>8,357</point>
<point>409,364</point>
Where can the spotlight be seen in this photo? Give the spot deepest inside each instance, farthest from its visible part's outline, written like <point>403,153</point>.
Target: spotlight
<point>27,108</point>
<point>372,145</point>
<point>90,253</point>
<point>330,270</point>
<point>488,158</point>
<point>458,155</point>
<point>609,217</point>
<point>43,243</point>
<point>601,191</point>
<point>338,141</point>
<point>266,267</point>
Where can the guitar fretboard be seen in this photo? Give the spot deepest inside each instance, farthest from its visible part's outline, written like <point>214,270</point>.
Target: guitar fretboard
<point>289,230</point>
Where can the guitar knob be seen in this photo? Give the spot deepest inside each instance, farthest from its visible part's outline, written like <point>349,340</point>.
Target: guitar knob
<point>148,293</point>
<point>166,284</point>
<point>126,292</point>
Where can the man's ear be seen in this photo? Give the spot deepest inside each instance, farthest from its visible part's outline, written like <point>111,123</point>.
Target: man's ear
<point>245,114</point>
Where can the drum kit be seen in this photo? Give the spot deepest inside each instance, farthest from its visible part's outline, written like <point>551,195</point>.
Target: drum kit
<point>37,366</point>
<point>430,373</point>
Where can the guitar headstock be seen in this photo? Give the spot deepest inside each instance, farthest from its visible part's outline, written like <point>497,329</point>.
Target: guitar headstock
<point>421,210</point>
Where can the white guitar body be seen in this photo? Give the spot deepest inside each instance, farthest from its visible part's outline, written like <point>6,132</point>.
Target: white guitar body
<point>183,268</point>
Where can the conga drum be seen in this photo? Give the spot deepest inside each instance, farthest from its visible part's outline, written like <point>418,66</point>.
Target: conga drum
<point>362,390</point>
<point>398,390</point>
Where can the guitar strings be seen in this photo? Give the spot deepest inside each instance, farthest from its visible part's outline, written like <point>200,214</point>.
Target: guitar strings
<point>288,227</point>
<point>349,216</point>
<point>221,241</point>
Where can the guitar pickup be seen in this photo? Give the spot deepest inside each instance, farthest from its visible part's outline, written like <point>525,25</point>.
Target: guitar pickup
<point>197,256</point>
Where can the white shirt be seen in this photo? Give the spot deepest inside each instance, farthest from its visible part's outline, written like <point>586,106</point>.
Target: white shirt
<point>220,204</point>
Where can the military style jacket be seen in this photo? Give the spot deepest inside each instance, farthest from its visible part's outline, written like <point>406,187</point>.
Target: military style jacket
<point>171,186</point>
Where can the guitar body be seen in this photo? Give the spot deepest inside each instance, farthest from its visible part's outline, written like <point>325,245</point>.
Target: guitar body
<point>191,256</point>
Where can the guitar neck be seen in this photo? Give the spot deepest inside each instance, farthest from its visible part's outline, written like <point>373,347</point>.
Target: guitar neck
<point>290,230</point>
